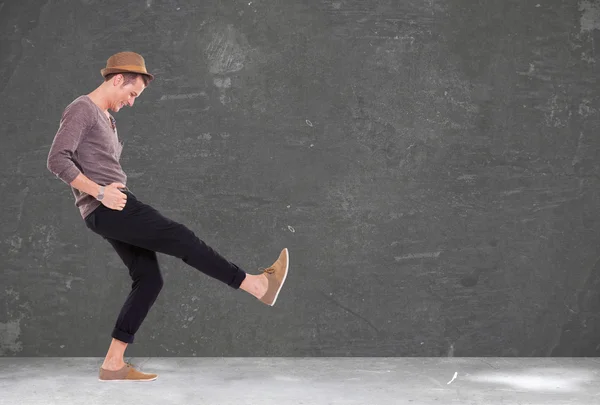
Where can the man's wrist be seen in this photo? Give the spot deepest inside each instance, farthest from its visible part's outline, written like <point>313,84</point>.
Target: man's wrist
<point>100,194</point>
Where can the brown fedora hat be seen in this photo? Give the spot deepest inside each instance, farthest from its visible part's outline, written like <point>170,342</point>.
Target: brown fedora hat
<point>123,62</point>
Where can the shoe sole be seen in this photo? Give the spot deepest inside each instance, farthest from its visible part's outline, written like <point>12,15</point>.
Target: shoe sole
<point>287,265</point>
<point>145,380</point>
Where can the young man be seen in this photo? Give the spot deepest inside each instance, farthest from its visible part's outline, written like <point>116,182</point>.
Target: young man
<point>85,154</point>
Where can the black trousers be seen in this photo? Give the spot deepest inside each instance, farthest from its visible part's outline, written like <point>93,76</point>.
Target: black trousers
<point>137,233</point>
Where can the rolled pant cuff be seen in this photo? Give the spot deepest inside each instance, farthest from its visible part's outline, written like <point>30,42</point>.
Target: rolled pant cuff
<point>237,279</point>
<point>122,336</point>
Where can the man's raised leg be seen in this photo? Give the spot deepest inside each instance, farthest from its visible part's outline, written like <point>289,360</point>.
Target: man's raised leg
<point>141,225</point>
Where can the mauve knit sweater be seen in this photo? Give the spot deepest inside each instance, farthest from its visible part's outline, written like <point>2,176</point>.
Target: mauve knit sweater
<point>86,143</point>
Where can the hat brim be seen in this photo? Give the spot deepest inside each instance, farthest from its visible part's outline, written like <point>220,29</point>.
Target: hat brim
<point>107,71</point>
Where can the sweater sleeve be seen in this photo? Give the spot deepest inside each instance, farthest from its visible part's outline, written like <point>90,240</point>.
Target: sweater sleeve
<point>75,121</point>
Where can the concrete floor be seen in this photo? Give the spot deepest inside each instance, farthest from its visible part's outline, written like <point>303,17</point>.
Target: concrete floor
<point>314,381</point>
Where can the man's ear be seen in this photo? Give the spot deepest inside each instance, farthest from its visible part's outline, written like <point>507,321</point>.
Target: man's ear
<point>118,79</point>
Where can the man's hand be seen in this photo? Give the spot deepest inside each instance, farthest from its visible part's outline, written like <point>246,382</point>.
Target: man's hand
<point>113,197</point>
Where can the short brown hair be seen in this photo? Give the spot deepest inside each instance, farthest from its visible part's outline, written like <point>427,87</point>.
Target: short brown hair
<point>129,78</point>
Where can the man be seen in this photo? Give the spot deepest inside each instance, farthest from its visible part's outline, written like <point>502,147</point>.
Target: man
<point>85,154</point>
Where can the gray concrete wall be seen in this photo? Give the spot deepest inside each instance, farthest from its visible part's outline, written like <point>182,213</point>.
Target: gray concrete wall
<point>432,167</point>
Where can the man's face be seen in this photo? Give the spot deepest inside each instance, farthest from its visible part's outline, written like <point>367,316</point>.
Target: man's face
<point>125,95</point>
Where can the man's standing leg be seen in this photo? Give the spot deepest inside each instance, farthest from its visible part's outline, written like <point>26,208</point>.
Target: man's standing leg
<point>147,283</point>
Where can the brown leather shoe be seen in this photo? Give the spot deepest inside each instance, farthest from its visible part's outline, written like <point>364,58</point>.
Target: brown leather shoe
<point>276,275</point>
<point>127,373</point>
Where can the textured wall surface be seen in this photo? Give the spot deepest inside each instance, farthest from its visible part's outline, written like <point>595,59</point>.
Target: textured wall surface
<point>432,166</point>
